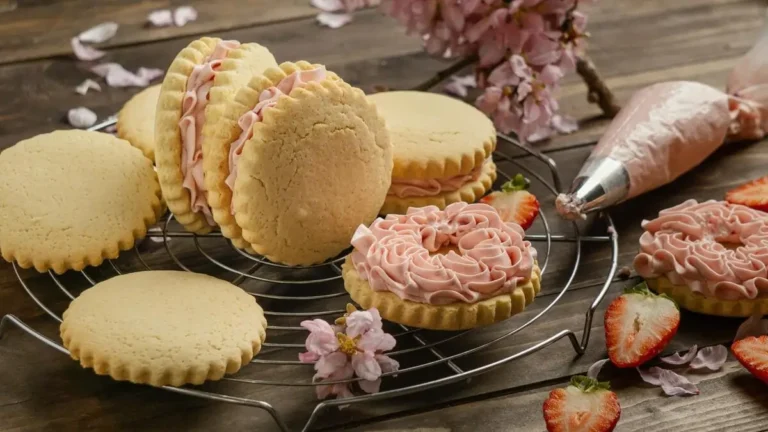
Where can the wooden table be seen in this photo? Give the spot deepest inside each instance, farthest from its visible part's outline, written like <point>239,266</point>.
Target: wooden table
<point>634,44</point>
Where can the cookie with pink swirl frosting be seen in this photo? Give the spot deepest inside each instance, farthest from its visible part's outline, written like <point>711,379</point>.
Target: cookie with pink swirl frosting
<point>205,73</point>
<point>710,257</point>
<point>442,150</point>
<point>300,159</point>
<point>451,269</point>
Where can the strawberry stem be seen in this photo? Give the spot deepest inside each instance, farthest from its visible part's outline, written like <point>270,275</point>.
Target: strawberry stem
<point>518,182</point>
<point>587,384</point>
<point>642,289</point>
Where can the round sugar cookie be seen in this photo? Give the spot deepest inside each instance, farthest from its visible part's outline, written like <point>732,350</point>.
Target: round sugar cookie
<point>235,71</point>
<point>437,137</point>
<point>69,199</point>
<point>453,316</point>
<point>164,328</point>
<point>136,120</point>
<point>317,166</point>
<point>695,302</point>
<point>218,142</point>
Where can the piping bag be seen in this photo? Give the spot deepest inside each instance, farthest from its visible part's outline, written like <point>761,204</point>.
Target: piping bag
<point>667,129</point>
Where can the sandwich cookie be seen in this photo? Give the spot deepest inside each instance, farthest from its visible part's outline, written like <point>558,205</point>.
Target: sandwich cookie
<point>136,121</point>
<point>442,150</point>
<point>164,328</point>
<point>205,73</point>
<point>300,160</point>
<point>69,199</point>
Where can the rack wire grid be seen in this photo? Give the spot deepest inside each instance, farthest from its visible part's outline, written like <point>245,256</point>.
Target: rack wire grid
<point>293,292</point>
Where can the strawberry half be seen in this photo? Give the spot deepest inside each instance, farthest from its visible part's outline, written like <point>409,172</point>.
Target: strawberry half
<point>638,325</point>
<point>514,203</point>
<point>752,353</point>
<point>584,406</point>
<point>753,194</point>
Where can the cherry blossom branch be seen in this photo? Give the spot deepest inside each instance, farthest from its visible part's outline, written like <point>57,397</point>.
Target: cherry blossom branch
<point>597,91</point>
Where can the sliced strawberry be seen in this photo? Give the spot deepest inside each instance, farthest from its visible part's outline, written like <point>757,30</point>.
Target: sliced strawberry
<point>638,325</point>
<point>584,406</point>
<point>514,203</point>
<point>752,353</point>
<point>753,194</point>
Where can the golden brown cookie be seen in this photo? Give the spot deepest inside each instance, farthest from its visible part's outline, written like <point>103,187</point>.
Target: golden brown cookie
<point>136,120</point>
<point>69,199</point>
<point>453,316</point>
<point>442,150</point>
<point>698,303</point>
<point>317,165</point>
<point>232,71</point>
<point>164,328</point>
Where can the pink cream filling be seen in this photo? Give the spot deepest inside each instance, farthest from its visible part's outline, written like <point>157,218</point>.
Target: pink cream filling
<point>404,188</point>
<point>402,254</point>
<point>267,99</point>
<point>717,249</point>
<point>191,123</point>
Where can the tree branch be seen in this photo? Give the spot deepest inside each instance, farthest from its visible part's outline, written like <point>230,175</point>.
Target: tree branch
<point>597,91</point>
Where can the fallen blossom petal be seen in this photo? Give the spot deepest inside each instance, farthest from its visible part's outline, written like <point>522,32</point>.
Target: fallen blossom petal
<point>366,366</point>
<point>328,5</point>
<point>370,386</point>
<point>677,359</point>
<point>652,376</point>
<point>85,52</point>
<point>755,325</point>
<point>160,18</point>
<point>118,76</point>
<point>594,370</point>
<point>676,385</point>
<point>81,117</point>
<point>184,15</point>
<point>333,20</point>
<point>99,33</point>
<point>564,124</point>
<point>711,358</point>
<point>459,85</point>
<point>86,85</point>
<point>149,74</point>
<point>328,365</point>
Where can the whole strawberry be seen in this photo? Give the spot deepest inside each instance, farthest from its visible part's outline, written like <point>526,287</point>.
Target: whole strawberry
<point>586,405</point>
<point>638,325</point>
<point>752,353</point>
<point>514,203</point>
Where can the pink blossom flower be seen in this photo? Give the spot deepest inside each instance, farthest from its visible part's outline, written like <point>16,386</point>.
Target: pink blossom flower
<point>355,349</point>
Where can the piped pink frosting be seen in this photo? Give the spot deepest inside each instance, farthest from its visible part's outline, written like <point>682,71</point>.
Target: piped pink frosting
<point>191,123</point>
<point>267,99</point>
<point>401,254</point>
<point>686,245</point>
<point>404,187</point>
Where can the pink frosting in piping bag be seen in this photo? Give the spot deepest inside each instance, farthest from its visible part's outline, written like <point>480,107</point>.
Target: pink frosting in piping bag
<point>686,244</point>
<point>191,123</point>
<point>404,188</point>
<point>399,254</point>
<point>267,99</point>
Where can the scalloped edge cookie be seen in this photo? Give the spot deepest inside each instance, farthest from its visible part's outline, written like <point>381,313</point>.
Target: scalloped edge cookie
<point>18,236</point>
<point>446,136</point>
<point>470,193</point>
<point>695,302</point>
<point>317,166</point>
<point>218,142</point>
<point>235,71</point>
<point>136,120</point>
<point>114,328</point>
<point>454,316</point>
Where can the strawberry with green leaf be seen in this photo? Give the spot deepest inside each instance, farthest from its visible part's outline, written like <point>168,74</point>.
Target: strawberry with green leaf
<point>514,203</point>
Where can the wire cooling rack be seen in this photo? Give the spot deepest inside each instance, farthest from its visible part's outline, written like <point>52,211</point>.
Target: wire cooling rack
<point>286,303</point>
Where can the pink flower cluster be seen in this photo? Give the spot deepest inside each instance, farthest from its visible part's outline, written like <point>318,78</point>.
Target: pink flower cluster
<point>352,347</point>
<point>524,48</point>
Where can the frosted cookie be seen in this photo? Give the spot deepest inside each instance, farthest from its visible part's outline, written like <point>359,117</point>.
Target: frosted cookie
<point>69,199</point>
<point>299,161</point>
<point>136,120</point>
<point>451,269</point>
<point>710,257</point>
<point>203,75</point>
<point>442,150</point>
<point>164,328</point>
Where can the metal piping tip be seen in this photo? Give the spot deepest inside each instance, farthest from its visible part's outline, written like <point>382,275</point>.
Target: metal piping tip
<point>601,183</point>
